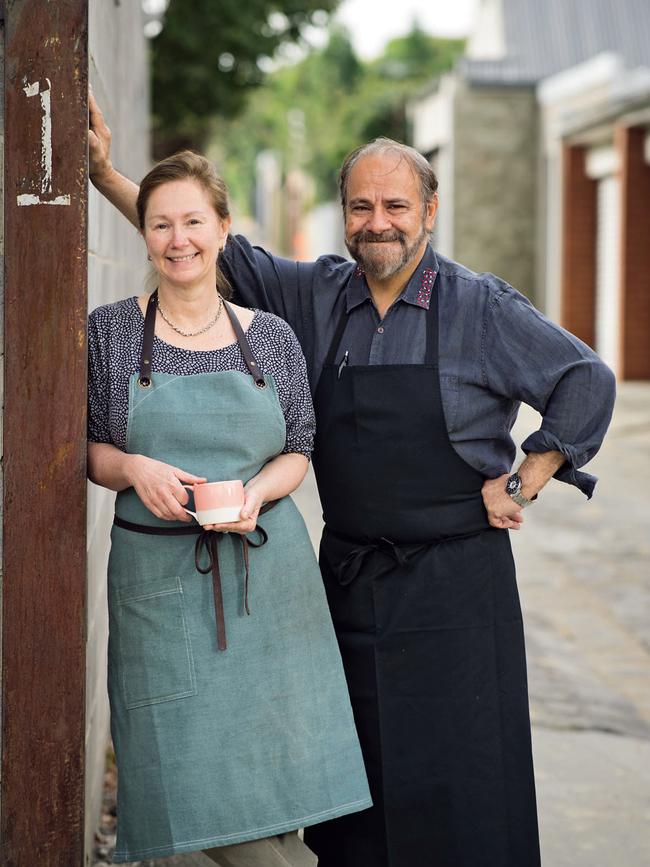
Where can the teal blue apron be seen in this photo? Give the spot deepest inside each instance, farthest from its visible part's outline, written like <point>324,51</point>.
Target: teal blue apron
<point>216,747</point>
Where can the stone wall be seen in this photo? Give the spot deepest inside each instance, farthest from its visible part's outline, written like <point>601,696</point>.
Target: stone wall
<point>495,181</point>
<point>116,269</point>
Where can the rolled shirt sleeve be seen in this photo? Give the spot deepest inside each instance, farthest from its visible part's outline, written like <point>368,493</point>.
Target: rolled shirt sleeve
<point>527,357</point>
<point>260,279</point>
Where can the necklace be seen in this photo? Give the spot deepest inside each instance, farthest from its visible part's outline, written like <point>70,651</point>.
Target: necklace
<point>192,333</point>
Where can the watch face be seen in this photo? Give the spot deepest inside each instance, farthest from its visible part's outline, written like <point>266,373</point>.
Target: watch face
<point>513,485</point>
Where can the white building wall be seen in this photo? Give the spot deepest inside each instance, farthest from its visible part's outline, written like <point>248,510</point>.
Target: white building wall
<point>116,269</point>
<point>608,258</point>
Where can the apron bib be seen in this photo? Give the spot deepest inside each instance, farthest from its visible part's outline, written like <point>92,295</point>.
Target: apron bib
<point>216,747</point>
<point>424,601</point>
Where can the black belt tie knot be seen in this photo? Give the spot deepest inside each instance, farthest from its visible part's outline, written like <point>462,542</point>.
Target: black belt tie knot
<point>351,565</point>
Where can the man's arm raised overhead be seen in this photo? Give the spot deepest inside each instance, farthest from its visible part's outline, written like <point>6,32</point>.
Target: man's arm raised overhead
<point>120,191</point>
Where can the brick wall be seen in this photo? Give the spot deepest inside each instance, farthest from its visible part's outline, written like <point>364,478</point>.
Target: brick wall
<point>119,76</point>
<point>578,256</point>
<point>635,248</point>
<point>495,171</point>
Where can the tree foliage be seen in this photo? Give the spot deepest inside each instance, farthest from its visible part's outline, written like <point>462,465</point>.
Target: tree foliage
<point>206,60</point>
<point>342,102</point>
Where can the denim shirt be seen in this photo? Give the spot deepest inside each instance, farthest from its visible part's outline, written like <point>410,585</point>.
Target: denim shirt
<point>495,350</point>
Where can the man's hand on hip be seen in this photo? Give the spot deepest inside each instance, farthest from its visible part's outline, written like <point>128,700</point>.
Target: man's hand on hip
<point>502,511</point>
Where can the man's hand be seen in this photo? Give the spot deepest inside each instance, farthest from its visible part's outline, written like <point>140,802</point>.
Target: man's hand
<point>119,191</point>
<point>99,142</point>
<point>502,511</point>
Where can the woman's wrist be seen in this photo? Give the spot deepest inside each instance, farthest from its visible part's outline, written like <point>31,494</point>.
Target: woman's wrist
<point>257,488</point>
<point>130,467</point>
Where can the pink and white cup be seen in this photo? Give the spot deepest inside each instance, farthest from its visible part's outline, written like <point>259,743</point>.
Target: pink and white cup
<point>217,502</point>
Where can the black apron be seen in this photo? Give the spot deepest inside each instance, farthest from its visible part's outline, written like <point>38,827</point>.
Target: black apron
<point>425,605</point>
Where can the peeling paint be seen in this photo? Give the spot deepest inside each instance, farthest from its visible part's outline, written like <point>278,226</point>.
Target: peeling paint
<point>30,199</point>
<point>43,89</point>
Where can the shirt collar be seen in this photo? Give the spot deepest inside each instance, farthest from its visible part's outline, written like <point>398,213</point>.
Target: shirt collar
<point>417,291</point>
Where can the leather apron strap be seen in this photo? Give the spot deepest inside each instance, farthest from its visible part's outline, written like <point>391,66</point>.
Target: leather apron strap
<point>146,355</point>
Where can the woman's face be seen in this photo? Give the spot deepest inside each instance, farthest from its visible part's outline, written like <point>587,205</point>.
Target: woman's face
<point>183,233</point>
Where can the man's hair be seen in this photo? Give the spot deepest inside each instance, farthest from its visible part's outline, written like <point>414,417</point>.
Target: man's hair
<point>382,145</point>
<point>187,165</point>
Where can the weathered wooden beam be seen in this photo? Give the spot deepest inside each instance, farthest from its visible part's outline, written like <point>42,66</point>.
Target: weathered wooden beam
<point>43,597</point>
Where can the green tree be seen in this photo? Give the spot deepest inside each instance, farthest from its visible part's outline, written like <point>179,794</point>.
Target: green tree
<point>206,60</point>
<point>344,102</point>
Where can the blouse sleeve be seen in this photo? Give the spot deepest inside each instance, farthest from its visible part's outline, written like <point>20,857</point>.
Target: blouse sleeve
<point>98,392</point>
<point>294,393</point>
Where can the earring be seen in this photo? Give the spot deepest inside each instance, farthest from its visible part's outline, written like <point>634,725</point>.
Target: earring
<point>149,256</point>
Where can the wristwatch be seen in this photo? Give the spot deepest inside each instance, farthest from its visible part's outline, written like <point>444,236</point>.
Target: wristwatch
<point>513,489</point>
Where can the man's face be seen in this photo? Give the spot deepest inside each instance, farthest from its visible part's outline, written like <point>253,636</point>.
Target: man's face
<point>386,225</point>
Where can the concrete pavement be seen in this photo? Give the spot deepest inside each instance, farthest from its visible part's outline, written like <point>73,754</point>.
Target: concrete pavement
<point>584,576</point>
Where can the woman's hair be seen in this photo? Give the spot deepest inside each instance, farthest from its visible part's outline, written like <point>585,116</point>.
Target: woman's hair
<point>187,165</point>
<point>419,165</point>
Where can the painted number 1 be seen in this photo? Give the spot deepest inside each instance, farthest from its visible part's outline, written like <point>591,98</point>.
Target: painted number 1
<point>44,197</point>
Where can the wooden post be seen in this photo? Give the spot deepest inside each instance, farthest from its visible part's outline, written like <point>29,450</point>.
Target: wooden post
<point>44,554</point>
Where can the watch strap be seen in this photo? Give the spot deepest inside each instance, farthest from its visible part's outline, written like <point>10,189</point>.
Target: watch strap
<point>520,500</point>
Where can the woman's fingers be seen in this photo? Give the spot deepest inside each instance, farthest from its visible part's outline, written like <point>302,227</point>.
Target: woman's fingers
<point>188,478</point>
<point>159,487</point>
<point>242,526</point>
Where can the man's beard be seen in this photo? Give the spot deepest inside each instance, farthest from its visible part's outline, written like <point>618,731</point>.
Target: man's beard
<point>382,262</point>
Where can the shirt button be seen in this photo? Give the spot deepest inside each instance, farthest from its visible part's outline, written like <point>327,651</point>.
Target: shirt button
<point>380,330</point>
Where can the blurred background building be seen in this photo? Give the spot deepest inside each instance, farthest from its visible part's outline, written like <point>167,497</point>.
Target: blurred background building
<point>541,136</point>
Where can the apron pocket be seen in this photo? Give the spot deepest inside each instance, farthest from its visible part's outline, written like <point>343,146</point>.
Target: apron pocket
<point>155,652</point>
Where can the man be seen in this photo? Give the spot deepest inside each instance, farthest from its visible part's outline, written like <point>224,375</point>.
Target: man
<point>417,368</point>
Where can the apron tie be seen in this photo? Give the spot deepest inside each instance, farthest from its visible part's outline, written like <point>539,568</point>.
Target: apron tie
<point>351,565</point>
<point>208,541</point>
<point>349,568</point>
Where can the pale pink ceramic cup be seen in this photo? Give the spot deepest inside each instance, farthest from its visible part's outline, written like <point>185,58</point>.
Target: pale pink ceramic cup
<point>217,502</point>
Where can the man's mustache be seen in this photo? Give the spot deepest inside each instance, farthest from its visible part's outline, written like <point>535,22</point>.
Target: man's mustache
<point>371,237</point>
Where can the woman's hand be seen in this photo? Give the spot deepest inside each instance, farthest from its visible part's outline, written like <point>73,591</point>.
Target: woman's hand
<point>254,498</point>
<point>275,480</point>
<point>99,141</point>
<point>502,511</point>
<point>159,487</point>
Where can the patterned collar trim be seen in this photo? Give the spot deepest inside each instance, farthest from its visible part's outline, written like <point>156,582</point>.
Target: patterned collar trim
<point>417,291</point>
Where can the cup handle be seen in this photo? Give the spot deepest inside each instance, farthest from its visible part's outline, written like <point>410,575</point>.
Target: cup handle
<point>189,511</point>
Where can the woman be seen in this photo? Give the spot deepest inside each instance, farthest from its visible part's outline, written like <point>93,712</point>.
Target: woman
<point>227,728</point>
